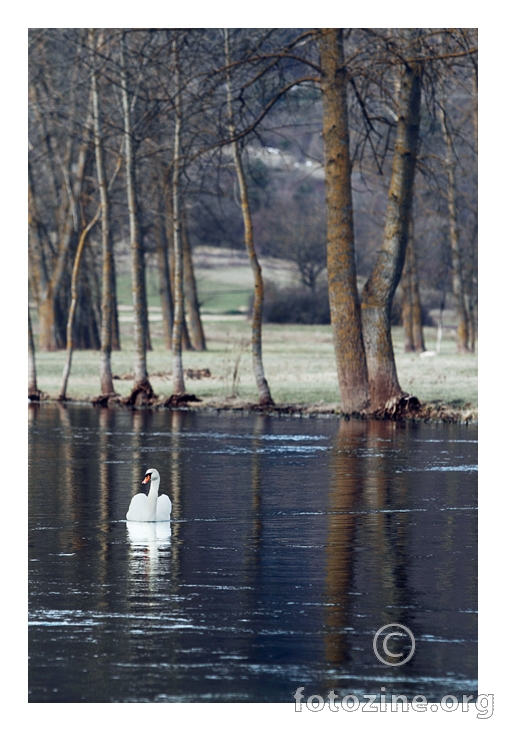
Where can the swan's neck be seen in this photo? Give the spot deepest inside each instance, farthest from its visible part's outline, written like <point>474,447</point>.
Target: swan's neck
<point>152,496</point>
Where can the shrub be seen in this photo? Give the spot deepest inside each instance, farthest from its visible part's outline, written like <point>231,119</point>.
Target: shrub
<point>307,307</point>
<point>295,305</point>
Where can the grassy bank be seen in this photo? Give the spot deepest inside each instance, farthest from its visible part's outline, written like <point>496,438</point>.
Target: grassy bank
<point>299,360</point>
<point>299,363</point>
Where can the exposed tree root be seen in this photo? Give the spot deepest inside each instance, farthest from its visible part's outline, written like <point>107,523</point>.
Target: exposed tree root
<point>176,400</point>
<point>141,395</point>
<point>104,400</point>
<point>403,406</point>
<point>266,403</point>
<point>35,395</point>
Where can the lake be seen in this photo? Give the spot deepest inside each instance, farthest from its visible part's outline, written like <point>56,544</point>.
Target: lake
<point>292,542</point>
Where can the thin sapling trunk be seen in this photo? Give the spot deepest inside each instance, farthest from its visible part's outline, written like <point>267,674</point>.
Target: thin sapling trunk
<point>265,398</point>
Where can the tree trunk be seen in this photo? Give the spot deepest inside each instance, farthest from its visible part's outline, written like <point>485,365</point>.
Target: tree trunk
<point>456,253</point>
<point>115,342</point>
<point>106,376</point>
<point>144,301</point>
<point>141,382</point>
<point>476,107</point>
<point>258,368</point>
<point>48,340</point>
<point>411,303</point>
<point>33,393</point>
<point>70,320</point>
<point>39,275</point>
<point>178,380</point>
<point>378,293</point>
<point>341,264</point>
<point>169,219</point>
<point>471,303</point>
<point>195,328</point>
<point>472,297</point>
<point>164,279</point>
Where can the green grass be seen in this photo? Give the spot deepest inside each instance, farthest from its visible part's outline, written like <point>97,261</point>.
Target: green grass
<point>224,281</point>
<point>215,295</point>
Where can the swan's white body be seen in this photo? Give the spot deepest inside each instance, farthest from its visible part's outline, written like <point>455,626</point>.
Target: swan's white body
<point>151,507</point>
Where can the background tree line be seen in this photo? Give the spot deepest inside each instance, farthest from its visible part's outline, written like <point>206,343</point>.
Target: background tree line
<point>347,150</point>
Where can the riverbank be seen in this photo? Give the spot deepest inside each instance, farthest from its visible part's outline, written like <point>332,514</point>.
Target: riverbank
<point>299,363</point>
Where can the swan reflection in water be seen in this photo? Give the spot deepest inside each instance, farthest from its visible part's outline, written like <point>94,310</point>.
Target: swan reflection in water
<point>146,534</point>
<point>148,542</point>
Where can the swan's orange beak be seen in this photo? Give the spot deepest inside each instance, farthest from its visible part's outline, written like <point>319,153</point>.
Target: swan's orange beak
<point>147,479</point>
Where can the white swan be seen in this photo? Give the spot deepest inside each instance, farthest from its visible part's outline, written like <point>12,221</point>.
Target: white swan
<point>151,507</point>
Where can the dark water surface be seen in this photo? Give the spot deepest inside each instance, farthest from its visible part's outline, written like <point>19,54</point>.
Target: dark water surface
<point>293,541</point>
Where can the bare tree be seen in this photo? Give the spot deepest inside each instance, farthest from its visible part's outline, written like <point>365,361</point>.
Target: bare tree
<point>167,268</point>
<point>142,389</point>
<point>106,376</point>
<point>258,368</point>
<point>378,292</point>
<point>411,302</point>
<point>196,331</point>
<point>341,266</point>
<point>456,252</point>
<point>164,279</point>
<point>297,229</point>
<point>178,379</point>
<point>73,302</point>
